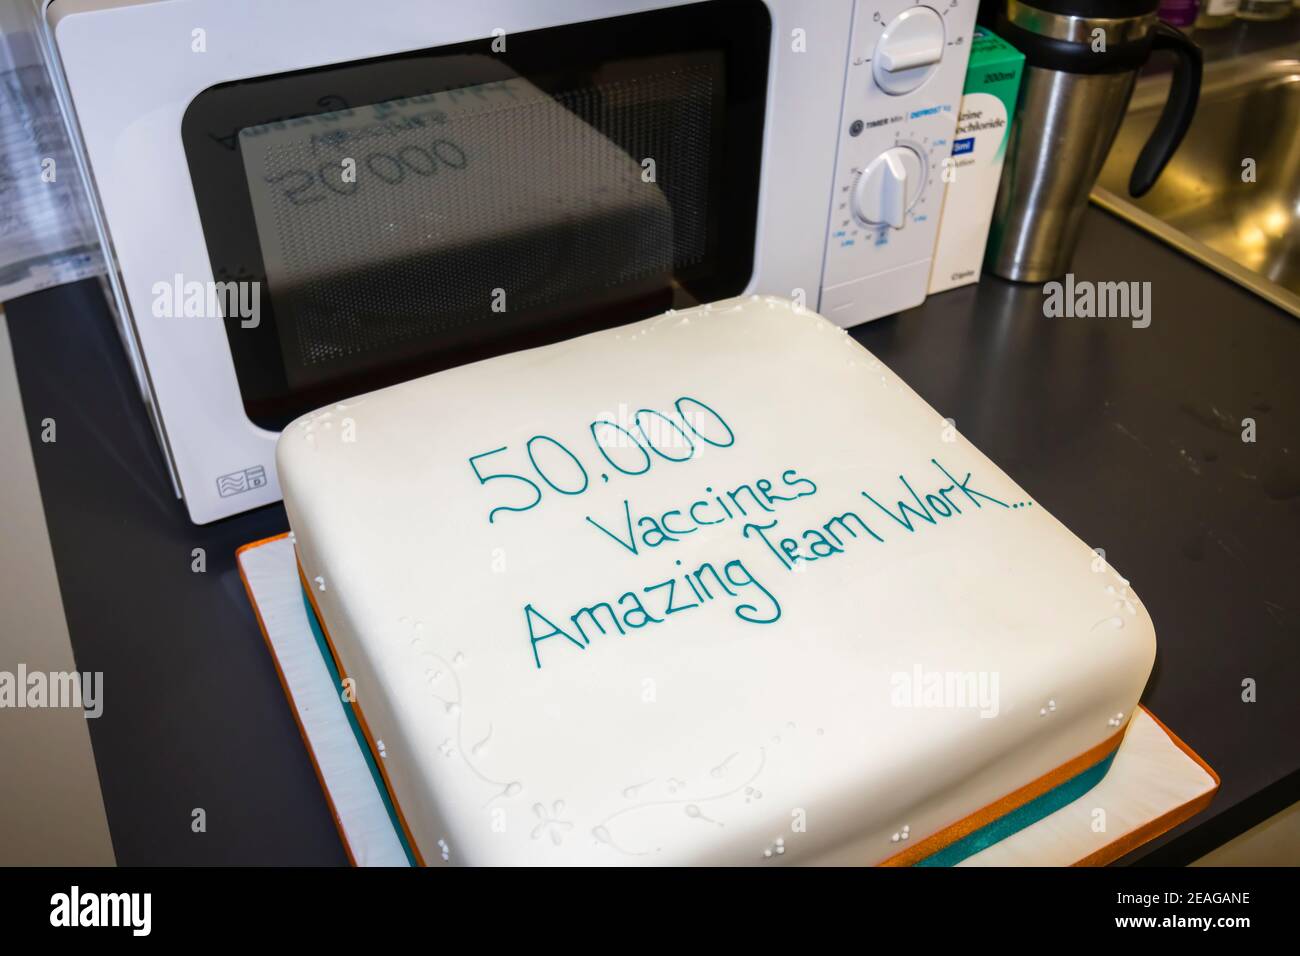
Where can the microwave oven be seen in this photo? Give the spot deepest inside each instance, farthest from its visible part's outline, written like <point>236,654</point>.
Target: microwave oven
<point>304,200</point>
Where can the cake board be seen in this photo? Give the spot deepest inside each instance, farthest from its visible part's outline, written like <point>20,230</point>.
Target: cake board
<point>1153,783</point>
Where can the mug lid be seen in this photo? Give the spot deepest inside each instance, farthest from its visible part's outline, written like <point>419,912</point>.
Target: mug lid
<point>1080,36</point>
<point>1096,9</point>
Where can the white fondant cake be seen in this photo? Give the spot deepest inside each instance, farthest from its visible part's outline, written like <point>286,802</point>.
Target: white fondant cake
<point>716,587</point>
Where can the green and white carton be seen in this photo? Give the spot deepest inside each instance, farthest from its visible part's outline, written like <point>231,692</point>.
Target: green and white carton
<point>972,172</point>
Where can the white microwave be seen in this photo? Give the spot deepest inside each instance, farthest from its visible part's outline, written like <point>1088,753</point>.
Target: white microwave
<point>304,200</point>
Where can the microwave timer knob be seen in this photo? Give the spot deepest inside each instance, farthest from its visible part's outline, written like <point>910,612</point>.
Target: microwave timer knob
<point>888,187</point>
<point>908,51</point>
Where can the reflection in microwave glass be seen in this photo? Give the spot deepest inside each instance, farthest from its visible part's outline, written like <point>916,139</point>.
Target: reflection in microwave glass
<point>302,187</point>
<point>344,138</point>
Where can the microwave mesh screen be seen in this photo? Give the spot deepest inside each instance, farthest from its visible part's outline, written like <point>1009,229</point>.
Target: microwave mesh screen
<point>438,217</point>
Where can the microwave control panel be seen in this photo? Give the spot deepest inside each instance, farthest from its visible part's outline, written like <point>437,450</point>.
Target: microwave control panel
<point>906,71</point>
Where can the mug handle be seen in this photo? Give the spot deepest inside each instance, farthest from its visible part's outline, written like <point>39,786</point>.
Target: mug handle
<point>1176,117</point>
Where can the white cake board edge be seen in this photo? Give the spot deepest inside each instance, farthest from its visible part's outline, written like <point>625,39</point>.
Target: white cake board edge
<point>270,572</point>
<point>1154,784</point>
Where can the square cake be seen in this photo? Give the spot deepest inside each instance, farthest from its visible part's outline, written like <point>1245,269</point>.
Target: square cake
<point>712,588</point>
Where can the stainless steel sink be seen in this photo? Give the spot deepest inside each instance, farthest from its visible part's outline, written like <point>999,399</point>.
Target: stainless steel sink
<point>1248,231</point>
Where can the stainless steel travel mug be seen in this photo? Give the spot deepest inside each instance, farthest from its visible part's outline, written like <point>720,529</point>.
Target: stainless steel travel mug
<point>1082,58</point>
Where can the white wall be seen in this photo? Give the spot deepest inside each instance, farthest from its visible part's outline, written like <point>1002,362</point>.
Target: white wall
<point>51,808</point>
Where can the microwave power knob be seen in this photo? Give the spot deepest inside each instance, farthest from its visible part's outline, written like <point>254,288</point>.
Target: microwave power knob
<point>888,187</point>
<point>908,51</point>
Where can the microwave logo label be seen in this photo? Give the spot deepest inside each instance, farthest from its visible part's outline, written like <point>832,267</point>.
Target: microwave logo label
<point>180,299</point>
<point>237,482</point>
<point>965,145</point>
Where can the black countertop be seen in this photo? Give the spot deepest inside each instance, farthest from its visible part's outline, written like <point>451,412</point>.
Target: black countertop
<point>1132,437</point>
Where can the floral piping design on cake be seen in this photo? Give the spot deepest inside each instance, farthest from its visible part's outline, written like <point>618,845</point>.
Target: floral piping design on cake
<point>690,804</point>
<point>323,420</point>
<point>453,706</point>
<point>1122,601</point>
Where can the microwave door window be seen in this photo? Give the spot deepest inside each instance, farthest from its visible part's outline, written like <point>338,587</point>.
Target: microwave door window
<point>449,218</point>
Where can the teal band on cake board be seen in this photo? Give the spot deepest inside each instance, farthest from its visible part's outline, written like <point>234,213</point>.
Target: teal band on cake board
<point>987,835</point>
<point>332,665</point>
<point>1021,817</point>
